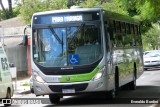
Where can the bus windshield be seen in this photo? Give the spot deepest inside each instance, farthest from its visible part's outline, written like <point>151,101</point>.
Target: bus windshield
<point>67,46</point>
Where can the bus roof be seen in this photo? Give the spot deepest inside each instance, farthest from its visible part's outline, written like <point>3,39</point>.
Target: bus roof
<point>108,14</point>
<point>67,10</point>
<point>120,17</point>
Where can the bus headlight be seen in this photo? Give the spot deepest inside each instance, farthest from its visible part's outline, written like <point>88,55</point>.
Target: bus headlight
<point>100,73</point>
<point>38,78</point>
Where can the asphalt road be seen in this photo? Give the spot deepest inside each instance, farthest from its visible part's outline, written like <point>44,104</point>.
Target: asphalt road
<point>148,89</point>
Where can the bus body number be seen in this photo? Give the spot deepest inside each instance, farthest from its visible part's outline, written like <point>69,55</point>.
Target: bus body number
<point>4,64</point>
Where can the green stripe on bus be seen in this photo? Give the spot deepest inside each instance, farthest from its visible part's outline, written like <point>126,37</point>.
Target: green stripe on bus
<point>79,77</point>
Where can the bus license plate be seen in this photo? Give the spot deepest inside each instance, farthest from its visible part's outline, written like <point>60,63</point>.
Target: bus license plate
<point>66,91</point>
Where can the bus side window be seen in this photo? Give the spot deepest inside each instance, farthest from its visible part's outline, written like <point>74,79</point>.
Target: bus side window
<point>119,36</point>
<point>137,35</point>
<point>110,31</point>
<point>106,36</point>
<point>133,35</point>
<point>123,25</point>
<point>118,27</point>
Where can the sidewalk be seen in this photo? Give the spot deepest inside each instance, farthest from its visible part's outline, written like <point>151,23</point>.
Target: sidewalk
<point>22,86</point>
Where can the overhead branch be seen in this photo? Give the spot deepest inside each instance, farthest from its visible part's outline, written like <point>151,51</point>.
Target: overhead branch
<point>2,6</point>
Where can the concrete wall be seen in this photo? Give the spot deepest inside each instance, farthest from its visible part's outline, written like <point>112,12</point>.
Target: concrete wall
<point>18,56</point>
<point>11,35</point>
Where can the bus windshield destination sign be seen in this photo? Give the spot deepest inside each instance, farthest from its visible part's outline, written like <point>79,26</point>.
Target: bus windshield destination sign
<point>67,19</point>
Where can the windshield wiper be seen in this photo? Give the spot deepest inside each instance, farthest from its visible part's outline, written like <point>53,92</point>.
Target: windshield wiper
<point>55,35</point>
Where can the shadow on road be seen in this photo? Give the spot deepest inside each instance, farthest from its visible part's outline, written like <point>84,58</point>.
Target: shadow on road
<point>99,99</point>
<point>123,97</point>
<point>153,69</point>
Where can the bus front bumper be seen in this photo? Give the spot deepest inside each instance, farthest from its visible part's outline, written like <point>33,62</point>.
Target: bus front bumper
<point>72,88</point>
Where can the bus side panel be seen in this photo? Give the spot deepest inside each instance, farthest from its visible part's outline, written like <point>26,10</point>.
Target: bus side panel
<point>5,76</point>
<point>124,59</point>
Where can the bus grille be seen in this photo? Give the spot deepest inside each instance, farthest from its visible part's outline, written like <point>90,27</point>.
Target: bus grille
<point>77,87</point>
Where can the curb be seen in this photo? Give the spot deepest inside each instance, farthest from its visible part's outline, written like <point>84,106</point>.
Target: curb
<point>23,92</point>
<point>26,92</point>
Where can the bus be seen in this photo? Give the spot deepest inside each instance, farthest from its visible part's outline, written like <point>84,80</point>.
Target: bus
<point>84,50</point>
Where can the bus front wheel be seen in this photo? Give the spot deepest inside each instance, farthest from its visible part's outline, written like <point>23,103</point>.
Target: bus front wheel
<point>111,94</point>
<point>54,99</point>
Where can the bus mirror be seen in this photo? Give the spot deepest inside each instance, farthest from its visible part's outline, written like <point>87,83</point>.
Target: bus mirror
<point>11,65</point>
<point>25,40</point>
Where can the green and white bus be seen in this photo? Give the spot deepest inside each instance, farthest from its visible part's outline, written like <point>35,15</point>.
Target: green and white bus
<point>84,50</point>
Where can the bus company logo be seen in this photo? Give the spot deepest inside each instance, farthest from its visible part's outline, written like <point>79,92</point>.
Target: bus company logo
<point>67,78</point>
<point>6,101</point>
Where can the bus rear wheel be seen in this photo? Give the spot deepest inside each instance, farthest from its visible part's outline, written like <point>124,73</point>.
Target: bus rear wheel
<point>54,99</point>
<point>116,80</point>
<point>132,84</point>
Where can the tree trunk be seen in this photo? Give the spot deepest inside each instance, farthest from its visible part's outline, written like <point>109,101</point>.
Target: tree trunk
<point>10,8</point>
<point>2,5</point>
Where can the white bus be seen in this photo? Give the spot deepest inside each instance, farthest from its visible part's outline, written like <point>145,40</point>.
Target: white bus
<point>84,50</point>
<point>6,86</point>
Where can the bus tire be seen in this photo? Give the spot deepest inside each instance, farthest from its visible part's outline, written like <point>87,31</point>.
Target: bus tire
<point>145,69</point>
<point>111,94</point>
<point>8,96</point>
<point>116,80</point>
<point>54,99</point>
<point>132,84</point>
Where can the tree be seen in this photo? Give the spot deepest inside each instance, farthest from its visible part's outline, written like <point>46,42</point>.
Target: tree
<point>147,11</point>
<point>151,39</point>
<point>90,3</point>
<point>31,6</point>
<point>111,6</point>
<point>6,13</point>
<point>10,7</point>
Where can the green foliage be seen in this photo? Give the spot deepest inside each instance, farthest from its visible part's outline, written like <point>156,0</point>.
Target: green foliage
<point>90,3</point>
<point>5,14</point>
<point>145,10</point>
<point>114,7</point>
<point>111,6</point>
<point>151,38</point>
<point>25,84</point>
<point>31,6</point>
<point>16,11</point>
<point>2,15</point>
